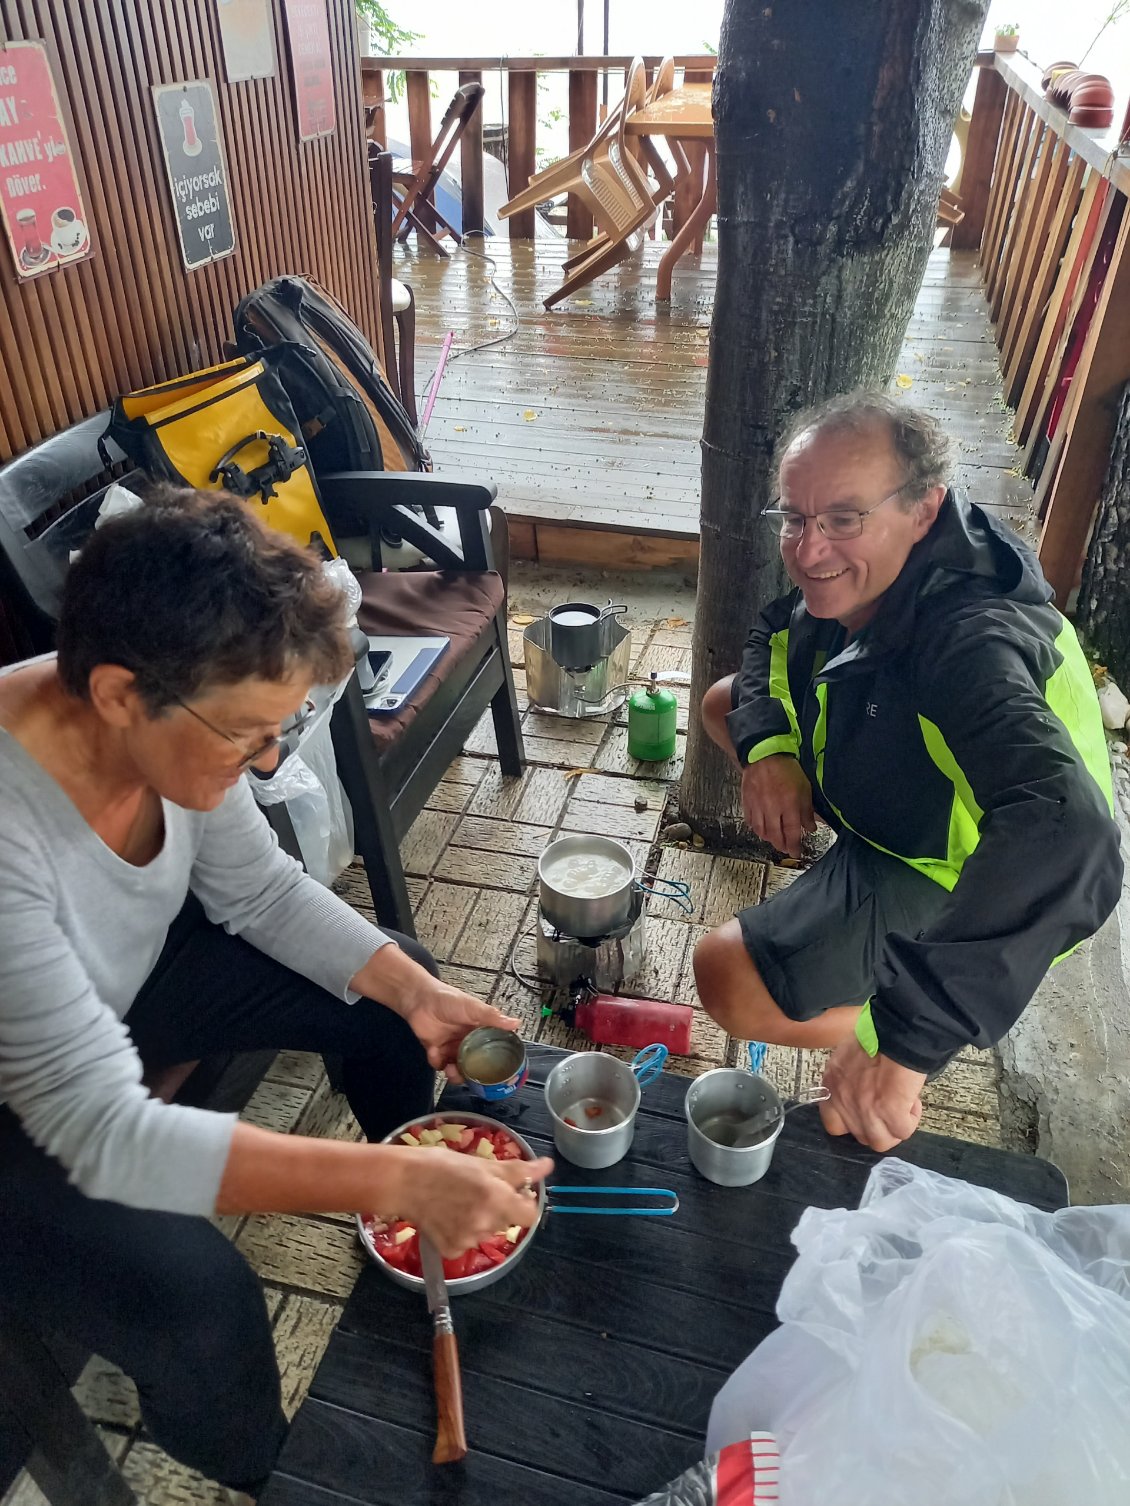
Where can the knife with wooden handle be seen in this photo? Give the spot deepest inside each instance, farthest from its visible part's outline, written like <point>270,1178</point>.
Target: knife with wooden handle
<point>451,1441</point>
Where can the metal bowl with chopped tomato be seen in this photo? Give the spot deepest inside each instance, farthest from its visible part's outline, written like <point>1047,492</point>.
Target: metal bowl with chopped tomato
<point>394,1245</point>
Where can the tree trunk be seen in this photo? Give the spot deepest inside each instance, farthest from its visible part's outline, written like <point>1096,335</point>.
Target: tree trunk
<point>833,121</point>
<point>1103,611</point>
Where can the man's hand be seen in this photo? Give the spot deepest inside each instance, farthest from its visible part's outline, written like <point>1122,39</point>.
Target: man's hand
<point>440,1016</point>
<point>873,1098</point>
<point>777,802</point>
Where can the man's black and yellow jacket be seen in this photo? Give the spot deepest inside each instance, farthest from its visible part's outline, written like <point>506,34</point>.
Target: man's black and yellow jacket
<point>960,732</point>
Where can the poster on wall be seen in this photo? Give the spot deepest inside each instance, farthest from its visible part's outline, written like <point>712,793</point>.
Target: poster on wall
<point>194,157</point>
<point>248,38</point>
<point>311,61</point>
<point>40,200</point>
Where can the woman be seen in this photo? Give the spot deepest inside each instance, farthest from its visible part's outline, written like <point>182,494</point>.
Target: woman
<point>150,918</point>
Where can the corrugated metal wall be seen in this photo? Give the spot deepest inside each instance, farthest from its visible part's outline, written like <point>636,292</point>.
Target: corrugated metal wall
<point>72,339</point>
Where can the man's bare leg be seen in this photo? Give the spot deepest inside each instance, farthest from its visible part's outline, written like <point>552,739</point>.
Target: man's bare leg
<point>734,994</point>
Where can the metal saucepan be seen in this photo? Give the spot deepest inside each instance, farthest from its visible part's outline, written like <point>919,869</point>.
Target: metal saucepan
<point>733,1120</point>
<point>662,1203</point>
<point>592,914</point>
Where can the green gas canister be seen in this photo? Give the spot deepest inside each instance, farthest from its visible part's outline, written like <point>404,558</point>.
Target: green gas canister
<point>652,714</point>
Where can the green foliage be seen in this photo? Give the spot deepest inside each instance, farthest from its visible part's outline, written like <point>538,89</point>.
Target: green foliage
<point>1117,12</point>
<point>388,37</point>
<point>1008,29</point>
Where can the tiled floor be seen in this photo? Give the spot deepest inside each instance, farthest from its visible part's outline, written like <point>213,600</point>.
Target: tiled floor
<point>471,859</point>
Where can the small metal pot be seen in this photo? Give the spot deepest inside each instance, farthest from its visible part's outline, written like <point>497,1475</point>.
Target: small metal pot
<point>730,1094</point>
<point>457,1284</point>
<point>585,1076</point>
<point>582,915</point>
<point>578,638</point>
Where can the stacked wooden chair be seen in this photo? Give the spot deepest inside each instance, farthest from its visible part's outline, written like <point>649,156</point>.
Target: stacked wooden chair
<point>414,184</point>
<point>613,183</point>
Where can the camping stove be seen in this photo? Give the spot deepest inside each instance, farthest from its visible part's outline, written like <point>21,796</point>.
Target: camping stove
<point>605,962</point>
<point>596,689</point>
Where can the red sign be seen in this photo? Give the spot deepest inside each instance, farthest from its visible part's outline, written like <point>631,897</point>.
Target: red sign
<point>39,195</point>
<point>311,61</point>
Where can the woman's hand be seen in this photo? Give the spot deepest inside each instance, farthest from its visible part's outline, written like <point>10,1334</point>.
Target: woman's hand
<point>459,1200</point>
<point>440,1016</point>
<point>777,802</point>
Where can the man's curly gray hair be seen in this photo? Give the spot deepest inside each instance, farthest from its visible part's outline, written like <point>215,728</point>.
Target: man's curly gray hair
<point>917,438</point>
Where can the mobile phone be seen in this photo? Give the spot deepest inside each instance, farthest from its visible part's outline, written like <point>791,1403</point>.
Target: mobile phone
<point>380,660</point>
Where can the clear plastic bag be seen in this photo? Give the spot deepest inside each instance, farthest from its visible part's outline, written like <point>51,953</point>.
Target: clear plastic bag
<point>316,803</point>
<point>946,1344</point>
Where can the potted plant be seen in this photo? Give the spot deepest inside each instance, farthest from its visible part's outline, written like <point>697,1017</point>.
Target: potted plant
<point>1007,37</point>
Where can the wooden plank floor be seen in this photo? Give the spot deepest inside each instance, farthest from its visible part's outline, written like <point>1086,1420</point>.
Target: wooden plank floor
<point>590,415</point>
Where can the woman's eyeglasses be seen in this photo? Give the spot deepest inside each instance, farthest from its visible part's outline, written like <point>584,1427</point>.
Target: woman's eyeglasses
<point>836,524</point>
<point>285,732</point>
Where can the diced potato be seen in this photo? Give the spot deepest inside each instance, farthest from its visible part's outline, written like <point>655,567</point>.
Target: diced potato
<point>485,1148</point>
<point>513,1232</point>
<point>430,1137</point>
<point>404,1235</point>
<point>407,1139</point>
<point>451,1131</point>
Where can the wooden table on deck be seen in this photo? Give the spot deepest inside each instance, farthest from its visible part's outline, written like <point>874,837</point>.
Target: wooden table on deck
<point>684,114</point>
<point>589,1370</point>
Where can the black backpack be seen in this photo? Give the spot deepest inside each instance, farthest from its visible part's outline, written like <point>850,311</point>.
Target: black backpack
<point>351,420</point>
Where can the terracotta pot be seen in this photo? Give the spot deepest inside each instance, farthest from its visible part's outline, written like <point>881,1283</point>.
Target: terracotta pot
<point>1092,102</point>
<point>1059,91</point>
<point>1052,69</point>
<point>1003,43</point>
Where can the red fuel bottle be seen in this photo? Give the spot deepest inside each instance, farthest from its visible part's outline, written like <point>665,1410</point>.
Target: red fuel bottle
<point>610,1020</point>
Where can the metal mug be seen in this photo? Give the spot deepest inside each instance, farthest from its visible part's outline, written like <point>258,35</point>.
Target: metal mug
<point>590,1075</point>
<point>578,638</point>
<point>719,1105</point>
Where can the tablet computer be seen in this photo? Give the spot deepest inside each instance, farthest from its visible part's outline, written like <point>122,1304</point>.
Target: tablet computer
<point>409,660</point>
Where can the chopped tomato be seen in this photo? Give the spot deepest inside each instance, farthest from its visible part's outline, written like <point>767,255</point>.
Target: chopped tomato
<point>397,1241</point>
<point>593,1110</point>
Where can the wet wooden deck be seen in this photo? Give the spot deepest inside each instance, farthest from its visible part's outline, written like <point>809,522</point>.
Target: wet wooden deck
<point>589,417</point>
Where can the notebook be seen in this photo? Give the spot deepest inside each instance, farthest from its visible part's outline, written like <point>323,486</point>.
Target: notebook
<point>409,661</point>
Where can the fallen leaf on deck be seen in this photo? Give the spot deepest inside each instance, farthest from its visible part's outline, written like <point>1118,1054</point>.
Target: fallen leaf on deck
<point>523,619</point>
<point>529,415</point>
<point>460,428</point>
<point>576,773</point>
<point>904,381</point>
<point>674,622</point>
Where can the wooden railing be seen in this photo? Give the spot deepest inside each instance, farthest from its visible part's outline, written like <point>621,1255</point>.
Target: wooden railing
<point>521,86</point>
<point>1045,206</point>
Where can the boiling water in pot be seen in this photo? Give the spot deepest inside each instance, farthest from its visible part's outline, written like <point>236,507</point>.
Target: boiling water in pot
<point>586,875</point>
<point>574,619</point>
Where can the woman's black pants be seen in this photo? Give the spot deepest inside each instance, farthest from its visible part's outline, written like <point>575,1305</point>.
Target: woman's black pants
<point>166,1297</point>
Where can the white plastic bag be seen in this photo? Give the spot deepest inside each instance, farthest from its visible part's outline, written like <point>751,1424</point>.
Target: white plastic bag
<point>947,1345</point>
<point>316,803</point>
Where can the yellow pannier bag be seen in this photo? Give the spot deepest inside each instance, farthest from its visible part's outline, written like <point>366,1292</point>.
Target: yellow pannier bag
<point>230,427</point>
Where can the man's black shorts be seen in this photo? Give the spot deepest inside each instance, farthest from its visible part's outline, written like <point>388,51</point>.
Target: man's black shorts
<point>817,943</point>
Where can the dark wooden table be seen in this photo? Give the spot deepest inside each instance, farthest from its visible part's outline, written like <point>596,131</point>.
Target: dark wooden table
<point>588,1372</point>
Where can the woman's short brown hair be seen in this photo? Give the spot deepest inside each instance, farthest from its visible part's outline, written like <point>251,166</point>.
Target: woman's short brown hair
<point>190,591</point>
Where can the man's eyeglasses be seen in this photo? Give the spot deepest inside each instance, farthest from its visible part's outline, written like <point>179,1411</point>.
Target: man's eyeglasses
<point>836,524</point>
<point>288,730</point>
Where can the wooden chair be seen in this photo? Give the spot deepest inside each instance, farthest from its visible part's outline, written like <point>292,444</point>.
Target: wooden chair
<point>398,306</point>
<point>415,186</point>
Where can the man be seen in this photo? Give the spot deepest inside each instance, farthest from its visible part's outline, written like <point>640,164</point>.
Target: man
<point>919,693</point>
